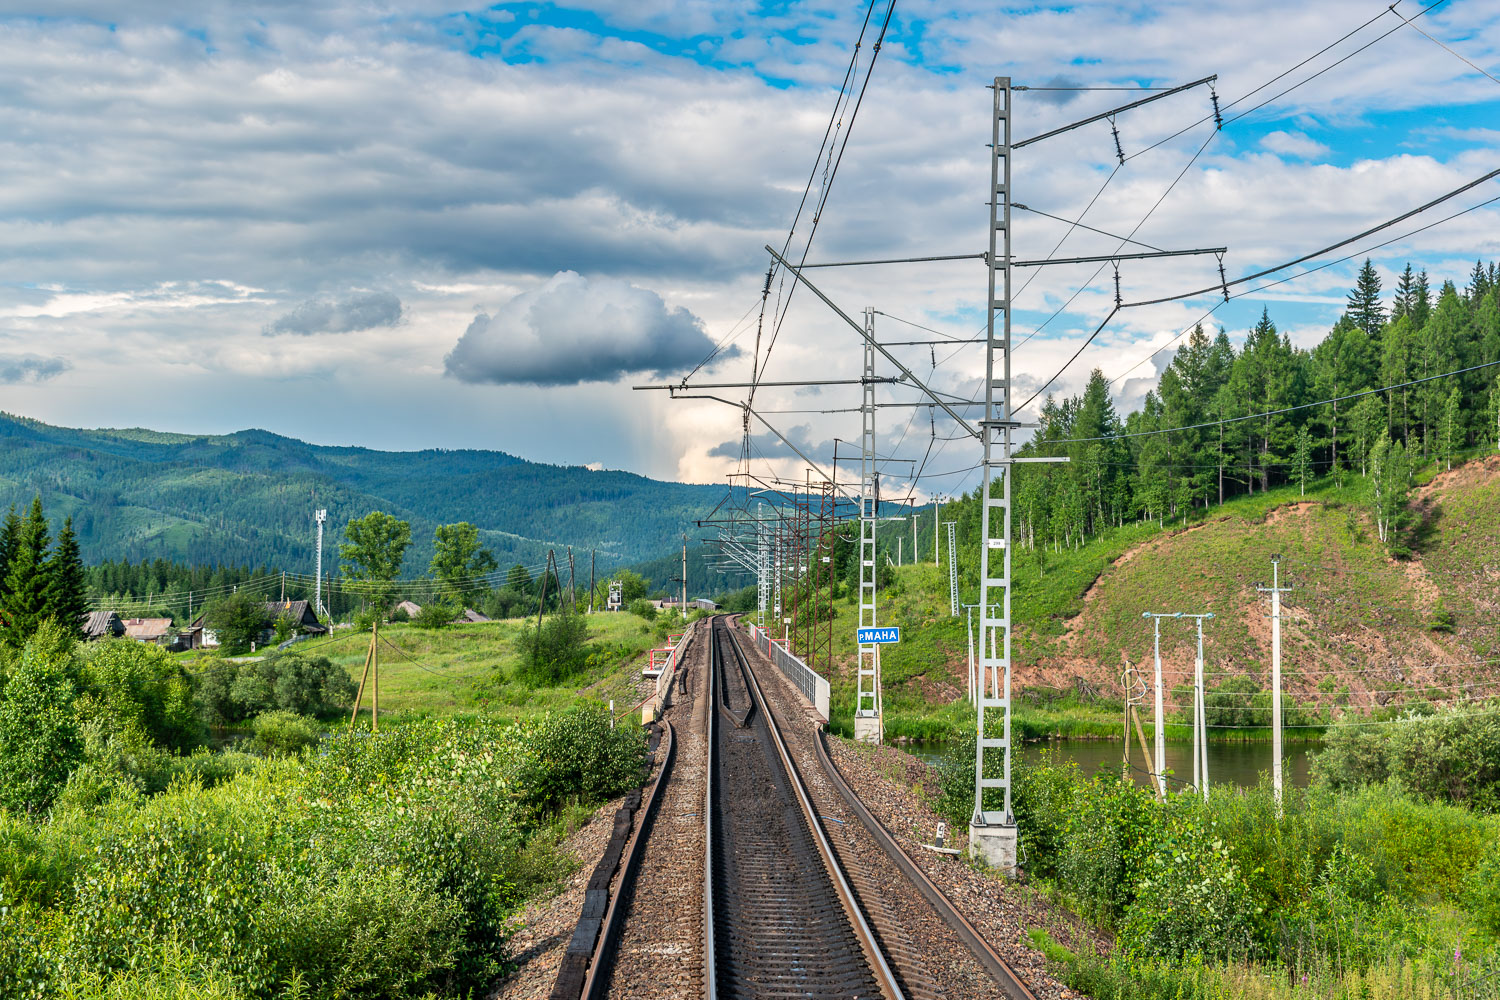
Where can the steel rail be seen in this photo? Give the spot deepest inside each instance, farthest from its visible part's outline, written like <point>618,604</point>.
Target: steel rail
<point>885,977</point>
<point>602,963</point>
<point>1005,977</point>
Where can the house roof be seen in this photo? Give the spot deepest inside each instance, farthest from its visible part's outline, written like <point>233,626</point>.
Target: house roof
<point>300,612</point>
<point>410,607</point>
<point>146,628</point>
<point>98,624</point>
<point>470,616</point>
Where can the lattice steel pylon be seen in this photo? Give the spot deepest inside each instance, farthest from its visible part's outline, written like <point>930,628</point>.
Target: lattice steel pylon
<point>993,832</point>
<point>868,723</point>
<point>952,567</point>
<point>762,568</point>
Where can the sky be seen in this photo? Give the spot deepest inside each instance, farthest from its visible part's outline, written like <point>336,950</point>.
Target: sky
<point>411,224</point>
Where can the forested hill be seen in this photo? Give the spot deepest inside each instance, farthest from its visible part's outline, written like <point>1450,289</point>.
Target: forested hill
<point>247,498</point>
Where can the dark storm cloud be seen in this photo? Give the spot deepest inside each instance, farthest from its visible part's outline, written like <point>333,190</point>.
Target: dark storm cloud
<point>18,368</point>
<point>575,329</point>
<point>361,311</point>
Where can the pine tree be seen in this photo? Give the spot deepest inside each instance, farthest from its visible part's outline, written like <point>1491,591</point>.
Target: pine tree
<point>10,540</point>
<point>1406,293</point>
<point>27,582</point>
<point>1479,283</point>
<point>1304,457</point>
<point>1421,301</point>
<point>1365,308</point>
<point>69,584</point>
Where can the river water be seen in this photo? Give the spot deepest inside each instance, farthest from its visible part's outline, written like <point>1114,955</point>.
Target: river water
<point>1237,763</point>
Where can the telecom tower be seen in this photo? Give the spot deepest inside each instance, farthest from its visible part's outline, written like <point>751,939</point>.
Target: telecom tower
<point>319,516</point>
<point>867,716</point>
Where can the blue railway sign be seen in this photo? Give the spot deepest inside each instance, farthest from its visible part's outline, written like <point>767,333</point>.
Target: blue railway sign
<point>882,634</point>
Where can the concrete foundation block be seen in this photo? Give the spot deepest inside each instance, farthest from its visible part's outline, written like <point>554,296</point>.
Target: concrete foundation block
<point>867,728</point>
<point>648,714</point>
<point>996,844</point>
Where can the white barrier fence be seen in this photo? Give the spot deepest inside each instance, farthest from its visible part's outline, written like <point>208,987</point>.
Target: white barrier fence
<point>814,688</point>
<point>664,680</point>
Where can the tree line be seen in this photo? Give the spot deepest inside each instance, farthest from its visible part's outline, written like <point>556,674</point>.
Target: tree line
<point>1225,422</point>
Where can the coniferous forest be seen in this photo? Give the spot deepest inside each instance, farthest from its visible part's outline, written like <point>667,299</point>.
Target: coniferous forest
<point>1225,421</point>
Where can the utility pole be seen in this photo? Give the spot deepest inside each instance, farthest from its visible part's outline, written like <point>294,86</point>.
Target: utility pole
<point>868,724</point>
<point>936,506</point>
<point>953,575</point>
<point>914,550</point>
<point>372,663</point>
<point>572,594</point>
<point>319,516</point>
<point>899,548</point>
<point>683,606</point>
<point>1158,716</point>
<point>593,563</point>
<point>1200,726</point>
<point>1275,590</point>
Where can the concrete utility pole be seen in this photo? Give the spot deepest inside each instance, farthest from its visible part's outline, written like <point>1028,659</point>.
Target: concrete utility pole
<point>868,725</point>
<point>1157,715</point>
<point>683,606</point>
<point>1200,728</point>
<point>935,505</point>
<point>319,516</point>
<point>1200,720</point>
<point>1275,590</point>
<point>593,582</point>
<point>915,556</point>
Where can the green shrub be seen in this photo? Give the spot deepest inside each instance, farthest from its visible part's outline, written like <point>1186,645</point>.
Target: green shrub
<point>40,742</point>
<point>290,681</point>
<point>437,614</point>
<point>1191,898</point>
<point>400,615</point>
<point>1451,755</point>
<point>133,686</point>
<point>283,733</point>
<point>554,652</point>
<point>643,608</point>
<point>579,755</point>
<point>369,930</point>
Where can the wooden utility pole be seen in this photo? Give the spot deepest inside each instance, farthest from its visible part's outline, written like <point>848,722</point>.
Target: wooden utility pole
<point>546,572</point>
<point>372,664</point>
<point>572,593</point>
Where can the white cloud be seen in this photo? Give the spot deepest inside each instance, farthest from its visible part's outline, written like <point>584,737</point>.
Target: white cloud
<point>575,329</point>
<point>1297,144</point>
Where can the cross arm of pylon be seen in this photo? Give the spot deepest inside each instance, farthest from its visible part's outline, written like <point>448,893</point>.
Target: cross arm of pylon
<point>908,374</point>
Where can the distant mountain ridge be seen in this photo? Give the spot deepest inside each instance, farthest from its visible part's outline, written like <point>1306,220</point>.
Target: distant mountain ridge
<point>248,497</point>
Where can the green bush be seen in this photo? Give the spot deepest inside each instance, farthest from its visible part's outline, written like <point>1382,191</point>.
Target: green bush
<point>40,743</point>
<point>400,615</point>
<point>1191,898</point>
<point>135,687</point>
<point>290,681</point>
<point>283,733</point>
<point>579,755</point>
<point>437,614</point>
<point>556,651</point>
<point>1451,755</point>
<point>643,608</point>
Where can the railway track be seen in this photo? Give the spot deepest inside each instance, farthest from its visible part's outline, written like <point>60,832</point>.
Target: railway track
<point>781,918</point>
<point>801,891</point>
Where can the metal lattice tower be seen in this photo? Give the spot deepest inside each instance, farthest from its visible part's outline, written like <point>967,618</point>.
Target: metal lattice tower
<point>821,650</point>
<point>867,700</point>
<point>319,516</point>
<point>996,429</point>
<point>762,570</point>
<point>952,567</point>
